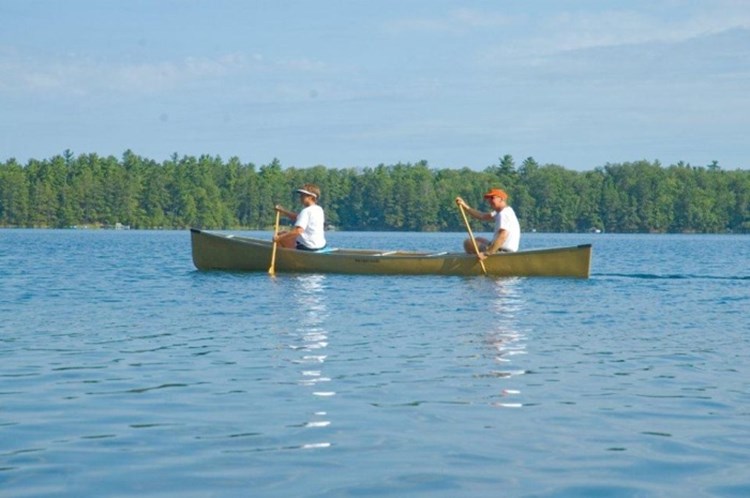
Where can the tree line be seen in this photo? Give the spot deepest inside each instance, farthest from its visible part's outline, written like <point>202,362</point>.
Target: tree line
<point>208,192</point>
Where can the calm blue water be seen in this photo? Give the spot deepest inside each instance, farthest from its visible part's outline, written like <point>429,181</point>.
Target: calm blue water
<point>124,372</point>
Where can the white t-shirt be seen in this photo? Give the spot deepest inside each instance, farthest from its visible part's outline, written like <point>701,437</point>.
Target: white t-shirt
<point>312,220</point>
<point>506,220</point>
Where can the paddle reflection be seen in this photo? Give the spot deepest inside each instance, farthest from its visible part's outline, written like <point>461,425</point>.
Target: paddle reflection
<point>507,342</point>
<point>313,342</point>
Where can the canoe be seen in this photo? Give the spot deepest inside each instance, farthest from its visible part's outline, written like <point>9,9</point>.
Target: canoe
<point>218,251</point>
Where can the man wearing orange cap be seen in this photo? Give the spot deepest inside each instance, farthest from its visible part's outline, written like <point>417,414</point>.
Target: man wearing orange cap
<point>507,235</point>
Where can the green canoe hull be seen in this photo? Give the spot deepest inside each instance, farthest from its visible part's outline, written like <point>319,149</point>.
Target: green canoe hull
<point>217,251</point>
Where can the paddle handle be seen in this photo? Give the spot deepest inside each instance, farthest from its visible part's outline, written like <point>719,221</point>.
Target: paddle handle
<point>272,269</point>
<point>471,236</point>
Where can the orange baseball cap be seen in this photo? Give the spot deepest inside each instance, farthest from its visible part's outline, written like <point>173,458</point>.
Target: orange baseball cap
<point>496,192</point>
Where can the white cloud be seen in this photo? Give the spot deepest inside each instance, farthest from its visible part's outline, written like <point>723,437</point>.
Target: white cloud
<point>455,22</point>
<point>81,76</point>
<point>567,30</point>
<point>571,31</point>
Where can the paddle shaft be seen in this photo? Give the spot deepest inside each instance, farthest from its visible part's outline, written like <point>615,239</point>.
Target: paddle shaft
<point>272,269</point>
<point>471,236</point>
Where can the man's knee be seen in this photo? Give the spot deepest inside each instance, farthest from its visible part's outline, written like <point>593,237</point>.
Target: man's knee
<point>287,243</point>
<point>482,244</point>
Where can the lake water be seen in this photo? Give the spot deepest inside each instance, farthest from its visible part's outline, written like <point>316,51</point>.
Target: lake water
<point>126,372</point>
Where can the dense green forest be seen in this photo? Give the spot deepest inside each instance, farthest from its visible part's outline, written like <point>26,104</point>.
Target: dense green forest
<point>207,192</point>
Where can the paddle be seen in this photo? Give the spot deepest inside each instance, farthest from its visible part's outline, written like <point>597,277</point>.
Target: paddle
<point>272,269</point>
<point>471,236</point>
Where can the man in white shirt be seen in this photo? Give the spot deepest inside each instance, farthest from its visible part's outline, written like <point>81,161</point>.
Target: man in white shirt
<point>308,233</point>
<point>507,235</point>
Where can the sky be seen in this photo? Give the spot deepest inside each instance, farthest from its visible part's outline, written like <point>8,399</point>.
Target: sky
<point>355,83</point>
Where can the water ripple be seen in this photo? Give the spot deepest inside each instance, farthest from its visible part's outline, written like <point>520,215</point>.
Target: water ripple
<point>122,356</point>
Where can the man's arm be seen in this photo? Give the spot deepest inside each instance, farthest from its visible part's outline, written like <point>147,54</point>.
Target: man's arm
<point>498,242</point>
<point>289,214</point>
<point>474,213</point>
